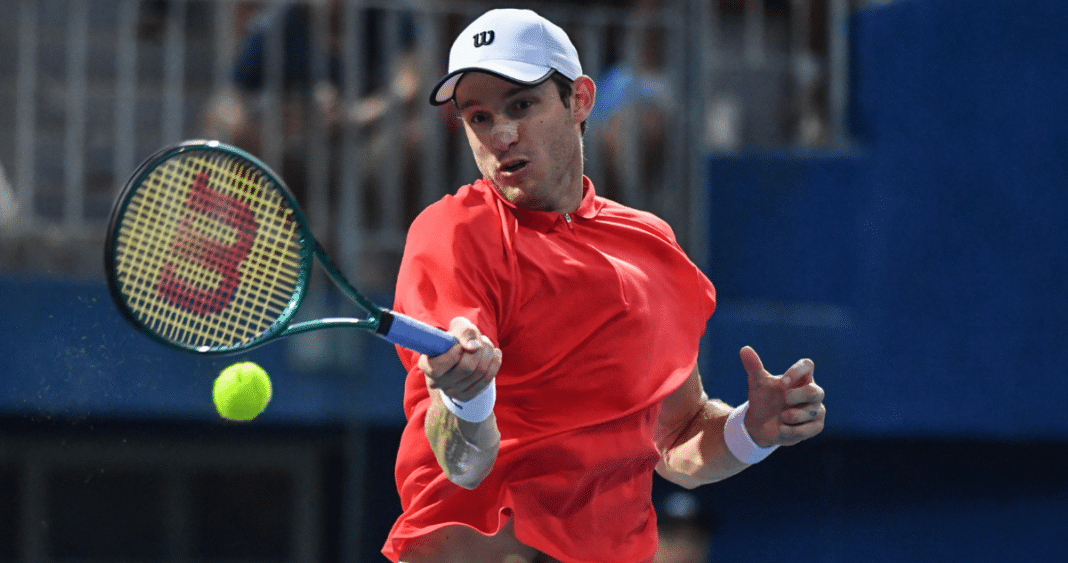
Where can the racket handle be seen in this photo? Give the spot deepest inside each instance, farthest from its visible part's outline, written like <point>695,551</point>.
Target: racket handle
<point>414,335</point>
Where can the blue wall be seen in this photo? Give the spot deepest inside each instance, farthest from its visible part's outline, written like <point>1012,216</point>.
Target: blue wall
<point>941,237</point>
<point>69,354</point>
<point>935,253</point>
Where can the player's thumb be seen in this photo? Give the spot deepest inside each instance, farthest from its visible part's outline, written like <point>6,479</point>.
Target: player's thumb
<point>466,333</point>
<point>753,366</point>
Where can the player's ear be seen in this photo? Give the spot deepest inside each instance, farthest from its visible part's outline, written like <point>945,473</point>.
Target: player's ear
<point>584,93</point>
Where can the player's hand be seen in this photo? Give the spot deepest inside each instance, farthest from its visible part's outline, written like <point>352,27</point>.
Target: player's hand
<point>466,368</point>
<point>783,409</point>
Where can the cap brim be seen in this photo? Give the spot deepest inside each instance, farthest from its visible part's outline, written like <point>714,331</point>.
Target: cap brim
<point>512,71</point>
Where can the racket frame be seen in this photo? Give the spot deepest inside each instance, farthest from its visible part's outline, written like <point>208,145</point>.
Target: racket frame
<point>393,326</point>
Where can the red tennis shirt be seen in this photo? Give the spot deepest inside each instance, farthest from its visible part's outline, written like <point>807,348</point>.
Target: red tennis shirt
<point>598,314</point>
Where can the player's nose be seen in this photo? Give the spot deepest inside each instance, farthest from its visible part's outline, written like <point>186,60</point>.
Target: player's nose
<point>504,135</point>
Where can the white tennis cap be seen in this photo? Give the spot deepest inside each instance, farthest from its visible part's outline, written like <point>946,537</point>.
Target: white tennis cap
<point>517,45</point>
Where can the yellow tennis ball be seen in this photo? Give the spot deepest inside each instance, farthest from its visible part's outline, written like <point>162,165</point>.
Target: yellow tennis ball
<point>242,391</point>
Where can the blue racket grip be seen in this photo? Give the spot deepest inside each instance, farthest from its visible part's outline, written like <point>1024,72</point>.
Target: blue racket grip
<point>414,335</point>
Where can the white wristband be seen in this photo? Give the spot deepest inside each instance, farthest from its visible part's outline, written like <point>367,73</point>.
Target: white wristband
<point>739,442</point>
<point>475,410</point>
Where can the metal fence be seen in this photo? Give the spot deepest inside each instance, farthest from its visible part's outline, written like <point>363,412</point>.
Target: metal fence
<point>333,94</point>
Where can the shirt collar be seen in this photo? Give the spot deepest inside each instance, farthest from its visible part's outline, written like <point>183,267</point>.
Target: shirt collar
<point>545,220</point>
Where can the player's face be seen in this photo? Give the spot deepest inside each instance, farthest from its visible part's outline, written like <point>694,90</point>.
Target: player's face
<point>525,140</point>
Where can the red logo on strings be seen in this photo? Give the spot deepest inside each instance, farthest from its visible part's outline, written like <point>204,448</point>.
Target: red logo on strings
<point>193,246</point>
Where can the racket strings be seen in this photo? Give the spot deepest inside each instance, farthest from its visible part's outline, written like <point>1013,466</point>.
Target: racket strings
<point>208,252</point>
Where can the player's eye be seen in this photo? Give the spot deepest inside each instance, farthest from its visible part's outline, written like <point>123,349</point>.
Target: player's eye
<point>521,105</point>
<point>477,118</point>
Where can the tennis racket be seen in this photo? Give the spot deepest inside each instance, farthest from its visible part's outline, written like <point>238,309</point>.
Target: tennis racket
<point>207,251</point>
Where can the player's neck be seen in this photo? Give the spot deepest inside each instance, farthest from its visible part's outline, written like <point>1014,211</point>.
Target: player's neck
<point>571,191</point>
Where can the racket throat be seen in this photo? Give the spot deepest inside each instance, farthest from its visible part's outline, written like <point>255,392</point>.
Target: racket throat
<point>385,323</point>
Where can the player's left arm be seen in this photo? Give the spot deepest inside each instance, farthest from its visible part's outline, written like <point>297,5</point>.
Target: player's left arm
<point>783,410</point>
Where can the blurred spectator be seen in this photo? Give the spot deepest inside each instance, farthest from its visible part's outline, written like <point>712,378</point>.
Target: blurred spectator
<point>310,105</point>
<point>152,17</point>
<point>8,205</point>
<point>685,527</point>
<point>634,102</point>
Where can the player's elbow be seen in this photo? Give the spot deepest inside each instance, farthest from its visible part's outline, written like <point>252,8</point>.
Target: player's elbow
<point>468,466</point>
<point>683,477</point>
<point>469,480</point>
<point>463,481</point>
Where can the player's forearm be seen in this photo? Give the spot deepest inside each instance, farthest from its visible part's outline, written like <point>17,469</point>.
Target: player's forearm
<point>698,455</point>
<point>466,451</point>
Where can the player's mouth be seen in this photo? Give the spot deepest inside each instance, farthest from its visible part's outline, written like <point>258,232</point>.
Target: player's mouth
<point>513,166</point>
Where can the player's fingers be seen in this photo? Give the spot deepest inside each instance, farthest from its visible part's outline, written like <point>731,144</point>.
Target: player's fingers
<point>790,434</point>
<point>475,353</point>
<point>483,374</point>
<point>469,342</point>
<point>491,359</point>
<point>456,383</point>
<point>449,370</point>
<point>474,365</point>
<point>434,367</point>
<point>468,366</point>
<point>489,355</point>
<point>433,381</point>
<point>800,373</point>
<point>474,389</point>
<point>807,394</point>
<point>803,414</point>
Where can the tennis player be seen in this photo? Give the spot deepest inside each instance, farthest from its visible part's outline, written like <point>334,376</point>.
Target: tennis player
<point>578,320</point>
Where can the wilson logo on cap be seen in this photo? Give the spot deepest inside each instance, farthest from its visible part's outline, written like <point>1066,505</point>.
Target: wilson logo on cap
<point>530,48</point>
<point>484,38</point>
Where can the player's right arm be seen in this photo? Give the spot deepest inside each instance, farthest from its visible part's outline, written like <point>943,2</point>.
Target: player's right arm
<point>466,451</point>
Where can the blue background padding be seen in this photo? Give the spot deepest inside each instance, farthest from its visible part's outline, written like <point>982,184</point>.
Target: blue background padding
<point>942,235</point>
<point>68,353</point>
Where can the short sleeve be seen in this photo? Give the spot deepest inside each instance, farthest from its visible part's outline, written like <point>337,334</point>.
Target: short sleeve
<point>452,267</point>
